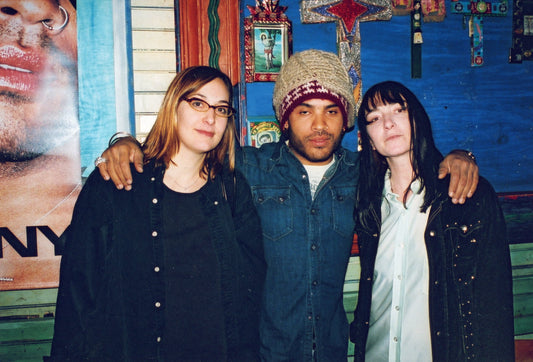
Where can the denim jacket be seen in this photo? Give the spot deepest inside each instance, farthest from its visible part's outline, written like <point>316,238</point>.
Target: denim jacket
<point>307,245</point>
<point>111,297</point>
<point>470,281</point>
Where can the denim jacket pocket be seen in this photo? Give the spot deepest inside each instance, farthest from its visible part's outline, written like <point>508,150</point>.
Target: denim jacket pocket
<point>271,201</point>
<point>342,210</point>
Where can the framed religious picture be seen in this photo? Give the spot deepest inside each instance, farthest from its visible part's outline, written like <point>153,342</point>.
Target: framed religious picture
<point>268,41</point>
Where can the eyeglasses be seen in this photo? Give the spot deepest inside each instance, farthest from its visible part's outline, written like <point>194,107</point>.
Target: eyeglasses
<point>202,106</point>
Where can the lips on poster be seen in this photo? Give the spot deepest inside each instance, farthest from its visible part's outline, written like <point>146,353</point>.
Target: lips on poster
<point>40,174</point>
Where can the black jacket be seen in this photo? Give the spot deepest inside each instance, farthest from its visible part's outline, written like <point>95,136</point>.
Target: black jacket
<point>111,272</point>
<point>470,281</point>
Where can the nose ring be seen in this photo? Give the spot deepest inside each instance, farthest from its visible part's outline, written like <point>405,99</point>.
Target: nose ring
<point>49,27</point>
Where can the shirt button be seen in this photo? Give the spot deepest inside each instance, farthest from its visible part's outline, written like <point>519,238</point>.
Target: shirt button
<point>154,233</point>
<point>432,233</point>
<point>157,304</point>
<point>313,247</point>
<point>216,203</point>
<point>154,201</point>
<point>395,339</point>
<point>315,282</point>
<point>309,317</point>
<point>152,179</point>
<point>158,339</point>
<point>156,269</point>
<point>304,176</point>
<point>397,307</point>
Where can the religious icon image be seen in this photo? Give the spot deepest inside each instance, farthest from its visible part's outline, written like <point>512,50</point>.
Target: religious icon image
<point>268,41</point>
<point>268,52</point>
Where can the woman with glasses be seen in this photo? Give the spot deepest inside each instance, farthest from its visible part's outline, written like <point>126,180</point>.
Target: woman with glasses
<point>174,269</point>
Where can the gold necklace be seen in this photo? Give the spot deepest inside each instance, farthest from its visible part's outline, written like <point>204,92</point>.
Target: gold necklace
<point>187,188</point>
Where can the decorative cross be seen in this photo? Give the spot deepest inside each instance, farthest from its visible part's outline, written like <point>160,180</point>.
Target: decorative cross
<point>426,10</point>
<point>477,9</point>
<point>347,14</point>
<point>416,40</point>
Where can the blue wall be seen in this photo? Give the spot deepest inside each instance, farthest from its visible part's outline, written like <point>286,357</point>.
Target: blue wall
<point>487,109</point>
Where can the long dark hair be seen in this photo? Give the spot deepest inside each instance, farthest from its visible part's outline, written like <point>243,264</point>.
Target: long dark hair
<point>425,157</point>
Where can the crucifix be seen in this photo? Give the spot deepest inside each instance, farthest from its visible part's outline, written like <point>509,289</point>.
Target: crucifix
<point>477,9</point>
<point>426,10</point>
<point>347,14</point>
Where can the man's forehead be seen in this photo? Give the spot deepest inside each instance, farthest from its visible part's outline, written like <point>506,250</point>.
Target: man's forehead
<point>315,102</point>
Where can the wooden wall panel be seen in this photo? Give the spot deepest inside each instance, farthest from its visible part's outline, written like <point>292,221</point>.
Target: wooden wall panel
<point>154,58</point>
<point>194,34</point>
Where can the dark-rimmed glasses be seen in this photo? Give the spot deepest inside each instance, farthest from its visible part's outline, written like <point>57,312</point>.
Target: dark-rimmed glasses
<point>202,106</point>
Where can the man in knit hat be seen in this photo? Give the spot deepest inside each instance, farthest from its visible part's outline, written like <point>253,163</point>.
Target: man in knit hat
<point>304,189</point>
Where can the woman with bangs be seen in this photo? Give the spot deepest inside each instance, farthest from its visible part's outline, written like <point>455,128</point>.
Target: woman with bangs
<point>174,269</point>
<point>435,280</point>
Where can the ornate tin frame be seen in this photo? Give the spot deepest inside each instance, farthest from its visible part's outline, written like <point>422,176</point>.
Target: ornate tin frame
<point>267,41</point>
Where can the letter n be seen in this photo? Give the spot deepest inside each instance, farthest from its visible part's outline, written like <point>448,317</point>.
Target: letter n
<point>24,251</point>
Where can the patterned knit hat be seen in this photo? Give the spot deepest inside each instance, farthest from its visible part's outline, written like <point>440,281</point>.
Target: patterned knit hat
<point>313,74</point>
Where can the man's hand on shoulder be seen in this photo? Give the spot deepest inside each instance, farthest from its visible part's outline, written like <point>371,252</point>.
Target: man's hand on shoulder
<point>464,174</point>
<point>117,162</point>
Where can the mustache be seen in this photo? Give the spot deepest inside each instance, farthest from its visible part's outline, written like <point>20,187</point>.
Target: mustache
<point>321,133</point>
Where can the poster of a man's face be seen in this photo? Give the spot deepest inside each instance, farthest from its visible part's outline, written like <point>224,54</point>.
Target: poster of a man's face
<point>40,174</point>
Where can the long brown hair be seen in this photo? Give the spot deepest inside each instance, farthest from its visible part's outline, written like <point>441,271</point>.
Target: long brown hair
<point>163,140</point>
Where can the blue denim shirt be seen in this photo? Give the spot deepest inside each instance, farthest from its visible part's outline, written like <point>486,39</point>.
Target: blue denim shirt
<point>307,245</point>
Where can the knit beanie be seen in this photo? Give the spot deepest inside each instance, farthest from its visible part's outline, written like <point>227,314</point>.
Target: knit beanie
<point>313,74</point>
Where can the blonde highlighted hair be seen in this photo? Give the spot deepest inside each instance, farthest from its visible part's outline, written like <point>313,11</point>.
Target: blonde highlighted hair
<point>162,142</point>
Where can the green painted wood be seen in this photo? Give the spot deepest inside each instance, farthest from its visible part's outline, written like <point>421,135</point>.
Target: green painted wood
<point>34,303</point>
<point>522,261</point>
<point>28,297</point>
<point>25,352</point>
<point>30,330</point>
<point>26,324</point>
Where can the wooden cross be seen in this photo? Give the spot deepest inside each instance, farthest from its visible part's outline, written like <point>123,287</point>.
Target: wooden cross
<point>477,9</point>
<point>347,14</point>
<point>416,40</point>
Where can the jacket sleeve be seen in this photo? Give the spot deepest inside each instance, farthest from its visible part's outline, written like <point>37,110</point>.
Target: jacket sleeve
<point>250,237</point>
<point>81,268</point>
<point>493,293</point>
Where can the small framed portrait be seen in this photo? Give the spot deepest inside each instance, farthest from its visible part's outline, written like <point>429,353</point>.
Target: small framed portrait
<point>268,45</point>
